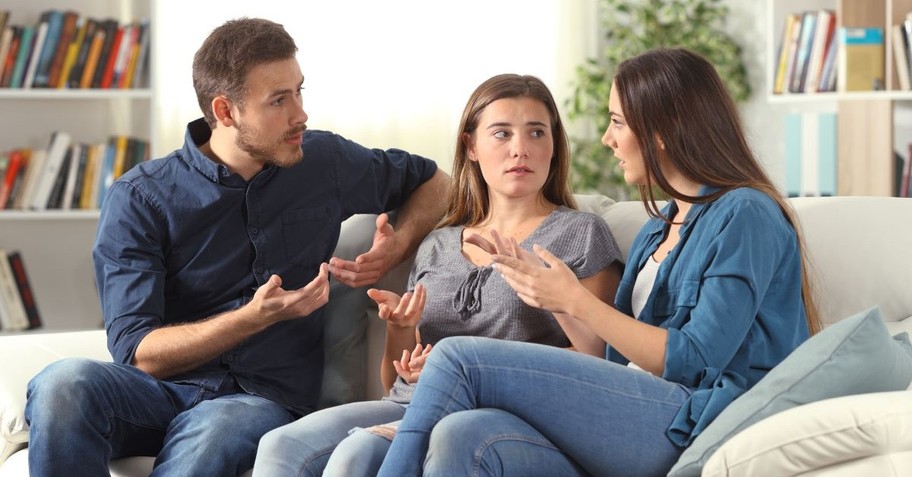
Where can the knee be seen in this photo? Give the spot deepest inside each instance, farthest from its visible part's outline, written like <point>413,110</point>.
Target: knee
<point>360,454</point>
<point>63,388</point>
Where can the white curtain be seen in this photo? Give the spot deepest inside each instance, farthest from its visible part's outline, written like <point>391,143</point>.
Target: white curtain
<point>393,73</point>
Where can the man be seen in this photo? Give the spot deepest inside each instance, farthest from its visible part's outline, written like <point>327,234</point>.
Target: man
<point>212,270</point>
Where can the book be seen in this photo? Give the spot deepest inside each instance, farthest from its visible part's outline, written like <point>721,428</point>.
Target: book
<point>111,54</point>
<point>799,70</point>
<point>34,59</point>
<point>826,24</point>
<point>32,173</point>
<point>828,71</point>
<point>6,38</point>
<point>861,59</point>
<point>71,53</point>
<point>138,73</point>
<point>92,57</point>
<point>55,198</point>
<point>13,170</point>
<point>25,289</point>
<point>88,35</point>
<point>901,55</point>
<point>48,48</point>
<point>56,153</point>
<point>111,28</point>
<point>11,306</point>
<point>9,59</point>
<point>786,50</point>
<point>67,35</point>
<point>27,41</point>
<point>74,176</point>
<point>905,187</point>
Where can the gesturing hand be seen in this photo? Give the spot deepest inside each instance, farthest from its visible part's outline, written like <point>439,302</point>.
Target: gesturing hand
<point>410,366</point>
<point>549,285</point>
<point>503,246</point>
<point>399,311</point>
<point>277,304</point>
<point>368,267</point>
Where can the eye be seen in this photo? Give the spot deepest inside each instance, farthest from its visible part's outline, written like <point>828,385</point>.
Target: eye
<point>278,101</point>
<point>538,133</point>
<point>501,134</point>
<point>617,124</point>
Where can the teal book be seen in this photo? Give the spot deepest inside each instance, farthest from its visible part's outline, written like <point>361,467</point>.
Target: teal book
<point>55,25</point>
<point>793,154</point>
<point>25,49</point>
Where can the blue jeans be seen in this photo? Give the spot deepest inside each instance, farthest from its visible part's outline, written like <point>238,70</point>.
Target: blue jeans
<point>303,447</point>
<point>492,407</point>
<point>83,413</point>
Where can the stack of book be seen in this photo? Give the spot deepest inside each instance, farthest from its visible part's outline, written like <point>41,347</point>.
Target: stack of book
<point>66,49</point>
<point>18,309</point>
<point>807,59</point>
<point>67,174</point>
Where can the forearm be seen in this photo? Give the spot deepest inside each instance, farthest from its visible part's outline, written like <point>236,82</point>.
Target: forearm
<point>398,338</point>
<point>171,350</point>
<point>582,338</point>
<point>420,213</point>
<point>639,342</point>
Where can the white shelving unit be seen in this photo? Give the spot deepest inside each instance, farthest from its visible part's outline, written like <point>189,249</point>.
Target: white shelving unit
<point>56,246</point>
<point>866,120</point>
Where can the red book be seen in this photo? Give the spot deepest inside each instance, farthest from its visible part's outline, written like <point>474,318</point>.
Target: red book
<point>12,170</point>
<point>25,290</point>
<point>108,75</point>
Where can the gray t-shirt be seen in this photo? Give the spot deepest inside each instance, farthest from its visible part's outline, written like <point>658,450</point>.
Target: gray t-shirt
<point>464,299</point>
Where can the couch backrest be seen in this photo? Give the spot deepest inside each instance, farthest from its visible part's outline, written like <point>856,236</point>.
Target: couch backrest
<point>861,254</point>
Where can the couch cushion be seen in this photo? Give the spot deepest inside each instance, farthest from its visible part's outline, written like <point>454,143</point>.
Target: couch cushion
<point>818,435</point>
<point>860,255</point>
<point>25,355</point>
<point>855,356</point>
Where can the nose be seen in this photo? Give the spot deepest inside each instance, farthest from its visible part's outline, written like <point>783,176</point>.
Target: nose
<point>608,138</point>
<point>518,147</point>
<point>300,116</point>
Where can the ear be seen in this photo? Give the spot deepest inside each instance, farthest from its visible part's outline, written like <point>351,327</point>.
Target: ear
<point>223,110</point>
<point>660,142</point>
<point>470,146</point>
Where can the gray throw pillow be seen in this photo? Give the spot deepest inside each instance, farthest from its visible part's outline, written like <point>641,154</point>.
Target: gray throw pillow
<point>854,356</point>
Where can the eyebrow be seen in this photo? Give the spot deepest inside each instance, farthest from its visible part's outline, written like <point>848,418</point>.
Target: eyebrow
<point>279,92</point>
<point>506,124</point>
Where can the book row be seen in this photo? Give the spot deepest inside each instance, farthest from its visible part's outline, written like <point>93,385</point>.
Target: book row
<point>816,55</point>
<point>66,49</point>
<point>18,308</point>
<point>67,174</point>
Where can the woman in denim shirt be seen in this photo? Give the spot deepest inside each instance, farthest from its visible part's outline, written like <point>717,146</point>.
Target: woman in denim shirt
<point>713,296</point>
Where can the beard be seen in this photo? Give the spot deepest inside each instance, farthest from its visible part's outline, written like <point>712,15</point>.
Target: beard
<point>266,151</point>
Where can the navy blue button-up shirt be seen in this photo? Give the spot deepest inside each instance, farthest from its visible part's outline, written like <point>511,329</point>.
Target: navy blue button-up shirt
<point>729,295</point>
<point>181,239</point>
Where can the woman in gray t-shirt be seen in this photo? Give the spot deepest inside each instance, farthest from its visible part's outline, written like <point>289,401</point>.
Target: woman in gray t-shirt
<point>510,185</point>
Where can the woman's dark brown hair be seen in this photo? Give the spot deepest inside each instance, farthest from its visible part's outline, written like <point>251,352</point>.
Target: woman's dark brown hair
<point>677,95</point>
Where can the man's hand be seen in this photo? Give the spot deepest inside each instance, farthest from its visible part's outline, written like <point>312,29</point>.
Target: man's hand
<point>371,265</point>
<point>410,366</point>
<point>278,304</point>
<point>400,312</point>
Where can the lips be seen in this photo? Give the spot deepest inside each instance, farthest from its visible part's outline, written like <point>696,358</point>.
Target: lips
<point>520,170</point>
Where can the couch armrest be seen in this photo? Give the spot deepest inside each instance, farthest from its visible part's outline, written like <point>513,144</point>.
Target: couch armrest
<point>25,355</point>
<point>832,432</point>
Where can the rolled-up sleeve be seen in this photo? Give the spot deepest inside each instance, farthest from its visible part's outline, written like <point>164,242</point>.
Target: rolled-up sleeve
<point>129,269</point>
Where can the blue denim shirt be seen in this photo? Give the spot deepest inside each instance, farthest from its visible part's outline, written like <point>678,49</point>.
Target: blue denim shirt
<point>181,239</point>
<point>729,295</point>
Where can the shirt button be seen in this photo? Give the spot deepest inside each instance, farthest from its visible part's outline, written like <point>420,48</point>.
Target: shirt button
<point>254,230</point>
<point>259,269</point>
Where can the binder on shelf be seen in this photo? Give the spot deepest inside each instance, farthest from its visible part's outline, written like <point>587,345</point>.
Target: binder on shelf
<point>861,59</point>
<point>810,154</point>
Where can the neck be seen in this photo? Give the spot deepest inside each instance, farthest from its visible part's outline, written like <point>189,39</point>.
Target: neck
<point>516,217</point>
<point>221,149</point>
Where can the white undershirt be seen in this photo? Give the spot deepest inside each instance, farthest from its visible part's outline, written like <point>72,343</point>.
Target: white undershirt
<point>642,287</point>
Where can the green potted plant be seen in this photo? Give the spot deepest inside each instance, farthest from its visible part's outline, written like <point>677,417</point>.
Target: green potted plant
<point>631,27</point>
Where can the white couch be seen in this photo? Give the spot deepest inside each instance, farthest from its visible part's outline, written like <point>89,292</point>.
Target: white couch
<point>861,248</point>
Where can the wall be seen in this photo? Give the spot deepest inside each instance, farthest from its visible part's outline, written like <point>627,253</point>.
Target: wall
<point>397,74</point>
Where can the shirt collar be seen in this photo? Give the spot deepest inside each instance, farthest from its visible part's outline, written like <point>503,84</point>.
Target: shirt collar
<point>198,133</point>
<point>696,210</point>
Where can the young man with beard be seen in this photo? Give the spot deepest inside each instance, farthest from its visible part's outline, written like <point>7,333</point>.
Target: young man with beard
<point>212,266</point>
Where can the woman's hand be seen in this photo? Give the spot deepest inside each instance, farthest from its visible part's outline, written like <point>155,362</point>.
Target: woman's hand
<point>402,312</point>
<point>549,285</point>
<point>410,366</point>
<point>502,246</point>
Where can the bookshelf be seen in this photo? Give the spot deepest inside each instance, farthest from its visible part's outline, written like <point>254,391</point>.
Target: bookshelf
<point>867,133</point>
<point>56,245</point>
